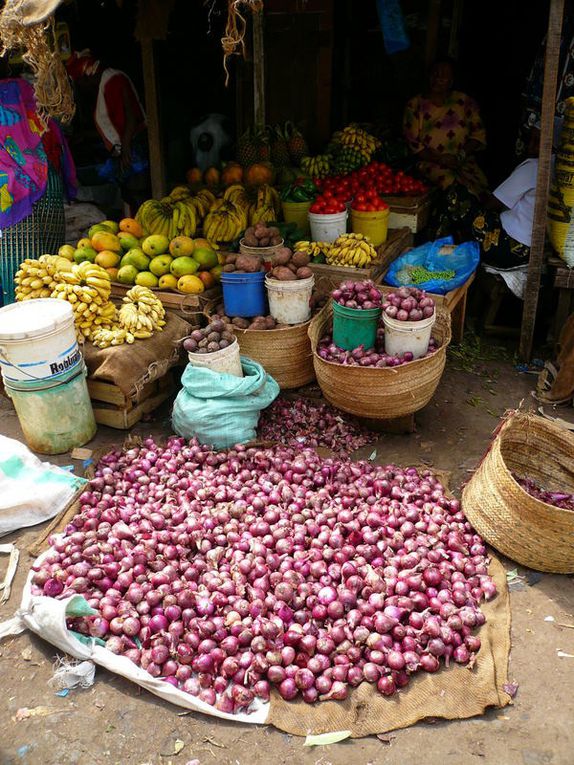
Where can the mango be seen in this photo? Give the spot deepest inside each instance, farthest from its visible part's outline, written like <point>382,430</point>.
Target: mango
<point>98,227</point>
<point>137,259</point>
<point>156,244</point>
<point>206,258</point>
<point>112,225</point>
<point>67,251</point>
<point>131,226</point>
<point>216,272</point>
<point>104,240</point>
<point>128,241</point>
<point>113,272</point>
<point>205,243</point>
<point>207,278</point>
<point>85,253</point>
<point>167,282</point>
<point>127,274</point>
<point>160,265</point>
<point>107,259</point>
<point>183,266</point>
<point>181,246</point>
<point>190,284</point>
<point>146,279</point>
<point>85,242</point>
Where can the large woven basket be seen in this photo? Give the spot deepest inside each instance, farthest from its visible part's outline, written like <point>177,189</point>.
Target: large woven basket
<point>525,529</point>
<point>283,353</point>
<point>381,394</point>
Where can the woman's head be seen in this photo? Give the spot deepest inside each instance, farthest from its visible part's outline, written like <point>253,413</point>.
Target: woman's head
<point>441,77</point>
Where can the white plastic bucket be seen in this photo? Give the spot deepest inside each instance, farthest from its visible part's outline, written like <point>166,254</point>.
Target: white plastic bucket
<point>37,340</point>
<point>326,228</point>
<point>407,336</point>
<point>289,302</point>
<point>226,360</point>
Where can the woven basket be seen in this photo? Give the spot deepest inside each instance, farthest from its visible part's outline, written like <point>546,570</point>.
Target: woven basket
<point>283,353</point>
<point>380,394</point>
<point>264,252</point>
<point>525,529</point>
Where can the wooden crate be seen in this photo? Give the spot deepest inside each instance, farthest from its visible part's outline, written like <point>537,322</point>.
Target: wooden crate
<point>410,211</point>
<point>116,410</point>
<point>189,307</point>
<point>327,278</point>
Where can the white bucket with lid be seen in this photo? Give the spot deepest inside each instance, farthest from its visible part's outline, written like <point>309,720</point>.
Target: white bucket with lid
<point>290,302</point>
<point>326,228</point>
<point>227,360</point>
<point>37,340</point>
<point>407,336</point>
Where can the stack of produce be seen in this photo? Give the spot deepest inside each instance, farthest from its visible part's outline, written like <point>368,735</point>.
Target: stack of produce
<point>261,235</point>
<point>354,250</point>
<point>242,264</point>
<point>231,215</point>
<point>349,150</point>
<point>37,278</point>
<point>359,295</point>
<point>210,339</point>
<point>420,275</point>
<point>301,190</point>
<point>327,204</point>
<point>287,265</point>
<point>307,574</point>
<point>563,500</point>
<point>409,304</point>
<point>303,423</point>
<point>377,177</point>
<point>87,288</point>
<point>317,167</point>
<point>317,251</point>
<point>368,357</point>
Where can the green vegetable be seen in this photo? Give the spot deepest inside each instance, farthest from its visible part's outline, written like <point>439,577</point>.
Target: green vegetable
<point>301,190</point>
<point>420,275</point>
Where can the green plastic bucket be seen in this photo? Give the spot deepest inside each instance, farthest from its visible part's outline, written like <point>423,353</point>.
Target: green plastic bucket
<point>55,414</point>
<point>353,327</point>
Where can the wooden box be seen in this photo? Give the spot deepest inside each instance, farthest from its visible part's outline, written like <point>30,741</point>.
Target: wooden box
<point>327,278</point>
<point>410,211</point>
<point>116,410</point>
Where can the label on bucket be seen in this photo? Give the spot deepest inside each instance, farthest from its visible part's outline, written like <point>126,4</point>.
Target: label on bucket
<point>34,368</point>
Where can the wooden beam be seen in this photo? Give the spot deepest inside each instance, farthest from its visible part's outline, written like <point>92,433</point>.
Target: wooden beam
<point>258,70</point>
<point>156,158</point>
<point>543,179</point>
<point>433,26</point>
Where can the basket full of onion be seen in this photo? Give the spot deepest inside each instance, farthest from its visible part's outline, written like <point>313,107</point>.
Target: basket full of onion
<point>384,389</point>
<point>408,315</point>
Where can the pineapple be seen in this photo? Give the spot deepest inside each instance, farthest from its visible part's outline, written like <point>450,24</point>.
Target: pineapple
<point>262,146</point>
<point>247,153</point>
<point>279,151</point>
<point>296,144</point>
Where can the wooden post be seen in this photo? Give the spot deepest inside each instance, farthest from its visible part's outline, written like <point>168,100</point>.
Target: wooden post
<point>433,26</point>
<point>543,179</point>
<point>258,70</point>
<point>156,158</point>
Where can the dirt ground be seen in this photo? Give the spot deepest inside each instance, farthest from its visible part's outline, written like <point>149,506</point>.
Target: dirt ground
<point>115,722</point>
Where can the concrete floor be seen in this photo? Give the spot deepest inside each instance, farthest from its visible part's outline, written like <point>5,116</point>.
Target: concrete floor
<point>115,722</point>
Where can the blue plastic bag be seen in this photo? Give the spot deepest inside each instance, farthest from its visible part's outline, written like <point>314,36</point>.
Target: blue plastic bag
<point>392,23</point>
<point>463,260</point>
<point>222,410</point>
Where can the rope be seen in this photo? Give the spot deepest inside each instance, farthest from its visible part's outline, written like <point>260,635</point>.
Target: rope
<point>235,29</point>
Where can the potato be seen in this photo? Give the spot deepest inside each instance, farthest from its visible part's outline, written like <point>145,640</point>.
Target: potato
<point>203,343</point>
<point>212,347</point>
<point>301,259</point>
<point>231,257</point>
<point>258,323</point>
<point>223,344</point>
<point>251,240</point>
<point>214,337</point>
<point>274,240</point>
<point>240,322</point>
<point>283,274</point>
<point>274,231</point>
<point>264,241</point>
<point>228,268</point>
<point>270,322</point>
<point>304,272</point>
<point>281,257</point>
<point>250,231</point>
<point>292,267</point>
<point>249,264</point>
<point>228,336</point>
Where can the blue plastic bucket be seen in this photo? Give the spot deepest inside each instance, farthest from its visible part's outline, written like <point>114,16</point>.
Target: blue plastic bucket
<point>244,294</point>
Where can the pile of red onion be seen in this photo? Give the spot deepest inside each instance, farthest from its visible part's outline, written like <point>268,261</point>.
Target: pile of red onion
<point>228,573</point>
<point>367,357</point>
<point>304,423</point>
<point>408,304</point>
<point>361,295</point>
<point>560,499</point>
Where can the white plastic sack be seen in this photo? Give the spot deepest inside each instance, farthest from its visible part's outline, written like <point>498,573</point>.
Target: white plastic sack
<point>47,618</point>
<point>31,491</point>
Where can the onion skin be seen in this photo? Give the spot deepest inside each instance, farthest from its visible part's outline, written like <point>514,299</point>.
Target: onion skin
<point>309,575</point>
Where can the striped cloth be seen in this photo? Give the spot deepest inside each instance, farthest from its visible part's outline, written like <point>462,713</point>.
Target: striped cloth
<point>41,232</point>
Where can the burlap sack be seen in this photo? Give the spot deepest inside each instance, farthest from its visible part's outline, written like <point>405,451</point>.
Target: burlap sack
<point>453,693</point>
<point>130,367</point>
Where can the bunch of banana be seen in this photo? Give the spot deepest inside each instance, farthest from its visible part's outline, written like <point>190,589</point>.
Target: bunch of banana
<point>225,221</point>
<point>179,192</point>
<point>104,337</point>
<point>237,194</point>
<point>317,167</point>
<point>268,196</point>
<point>351,250</point>
<point>170,217</point>
<point>263,214</point>
<point>85,302</point>
<point>142,312</point>
<point>347,160</point>
<point>317,251</point>
<point>354,137</point>
<point>37,278</point>
<point>203,201</point>
<point>107,315</point>
<point>88,275</point>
